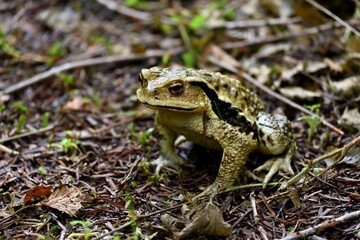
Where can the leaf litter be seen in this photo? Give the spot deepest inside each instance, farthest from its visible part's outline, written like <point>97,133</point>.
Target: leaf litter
<point>74,69</point>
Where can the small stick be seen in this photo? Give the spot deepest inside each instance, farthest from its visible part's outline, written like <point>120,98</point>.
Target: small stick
<point>336,18</point>
<point>21,135</point>
<point>133,13</point>
<point>85,63</point>
<point>272,39</point>
<point>256,23</point>
<point>323,226</point>
<point>343,152</point>
<point>8,150</point>
<point>256,217</point>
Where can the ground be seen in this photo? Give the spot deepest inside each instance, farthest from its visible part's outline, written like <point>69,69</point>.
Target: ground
<point>76,145</point>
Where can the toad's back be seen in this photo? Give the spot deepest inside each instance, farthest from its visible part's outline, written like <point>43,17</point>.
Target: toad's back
<point>228,89</point>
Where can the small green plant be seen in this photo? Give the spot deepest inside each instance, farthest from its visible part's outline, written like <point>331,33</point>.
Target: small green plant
<point>291,228</point>
<point>22,118</point>
<point>2,107</point>
<point>103,41</point>
<point>45,120</point>
<point>189,59</point>
<point>85,225</point>
<point>66,78</point>
<point>133,3</point>
<point>165,60</point>
<point>96,98</point>
<point>144,137</point>
<point>42,170</point>
<point>68,145</point>
<point>6,47</point>
<point>129,205</point>
<point>21,123</point>
<point>20,107</point>
<point>197,22</point>
<point>57,50</point>
<point>312,120</point>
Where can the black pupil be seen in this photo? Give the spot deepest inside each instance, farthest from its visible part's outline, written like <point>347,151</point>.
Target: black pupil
<point>140,80</point>
<point>176,88</point>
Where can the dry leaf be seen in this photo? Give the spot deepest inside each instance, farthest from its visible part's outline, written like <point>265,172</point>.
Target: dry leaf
<point>351,117</point>
<point>80,104</point>
<point>352,157</point>
<point>333,65</point>
<point>37,193</point>
<point>65,199</point>
<point>299,93</point>
<point>349,87</point>
<point>204,219</point>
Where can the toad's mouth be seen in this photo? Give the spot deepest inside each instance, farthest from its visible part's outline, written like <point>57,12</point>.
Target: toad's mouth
<point>170,108</point>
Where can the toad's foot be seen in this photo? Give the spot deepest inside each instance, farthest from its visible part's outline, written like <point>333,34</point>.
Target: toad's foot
<point>173,163</point>
<point>277,163</point>
<point>209,193</point>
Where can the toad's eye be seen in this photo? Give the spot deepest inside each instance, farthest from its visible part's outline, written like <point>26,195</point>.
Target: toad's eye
<point>176,88</point>
<point>141,79</point>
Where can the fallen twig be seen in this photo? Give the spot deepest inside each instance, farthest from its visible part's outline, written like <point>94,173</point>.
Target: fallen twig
<point>8,150</point>
<point>272,39</point>
<point>256,217</point>
<point>336,18</point>
<point>343,151</point>
<point>85,63</point>
<point>120,123</point>
<point>132,13</point>
<point>256,23</point>
<point>21,135</point>
<point>323,226</point>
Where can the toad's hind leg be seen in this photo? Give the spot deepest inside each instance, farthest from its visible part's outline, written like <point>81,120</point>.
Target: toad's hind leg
<point>275,138</point>
<point>236,145</point>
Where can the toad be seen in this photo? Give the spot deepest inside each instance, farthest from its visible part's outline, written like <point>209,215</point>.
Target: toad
<point>216,112</point>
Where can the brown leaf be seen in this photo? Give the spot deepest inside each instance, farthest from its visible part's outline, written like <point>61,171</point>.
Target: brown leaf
<point>37,193</point>
<point>65,199</point>
<point>80,104</point>
<point>204,219</point>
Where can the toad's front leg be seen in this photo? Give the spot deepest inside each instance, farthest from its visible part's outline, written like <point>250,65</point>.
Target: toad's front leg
<point>237,145</point>
<point>168,157</point>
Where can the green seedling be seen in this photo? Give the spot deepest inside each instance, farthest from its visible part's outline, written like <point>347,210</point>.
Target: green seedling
<point>6,47</point>
<point>96,99</point>
<point>189,59</point>
<point>312,120</point>
<point>103,41</point>
<point>45,120</point>
<point>22,118</point>
<point>129,205</point>
<point>68,145</point>
<point>197,22</point>
<point>133,3</point>
<point>20,107</point>
<point>42,170</point>
<point>144,137</point>
<point>66,78</point>
<point>166,60</point>
<point>21,123</point>
<point>85,225</point>
<point>2,107</point>
<point>57,50</point>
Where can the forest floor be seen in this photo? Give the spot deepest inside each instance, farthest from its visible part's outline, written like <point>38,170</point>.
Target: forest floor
<point>76,146</point>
